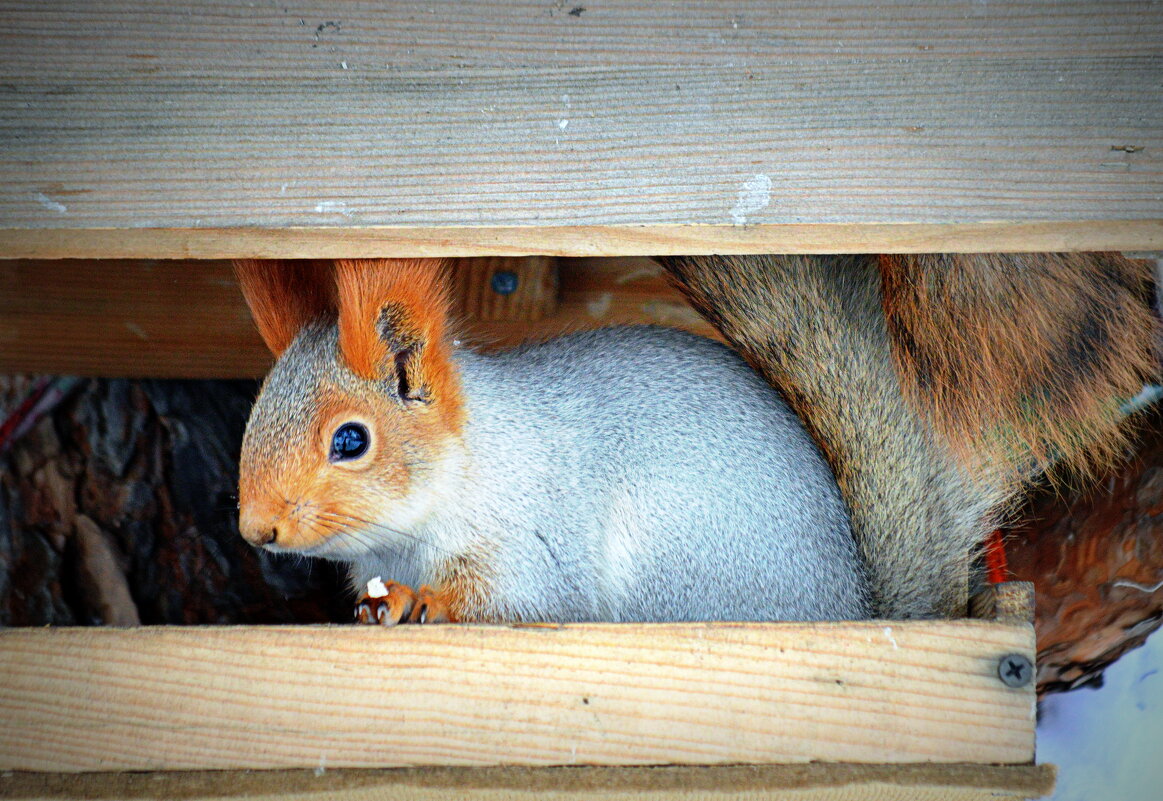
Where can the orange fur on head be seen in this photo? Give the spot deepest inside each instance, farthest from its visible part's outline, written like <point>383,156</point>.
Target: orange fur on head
<point>393,315</point>
<point>284,296</point>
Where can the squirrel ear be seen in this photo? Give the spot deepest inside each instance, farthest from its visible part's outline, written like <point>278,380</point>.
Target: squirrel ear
<point>392,320</point>
<point>284,296</point>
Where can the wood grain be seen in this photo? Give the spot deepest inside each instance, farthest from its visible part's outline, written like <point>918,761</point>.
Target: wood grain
<point>811,782</point>
<point>262,38</point>
<point>334,242</point>
<point>1009,602</point>
<point>532,297</point>
<point>349,696</point>
<point>187,319</point>
<point>430,129</point>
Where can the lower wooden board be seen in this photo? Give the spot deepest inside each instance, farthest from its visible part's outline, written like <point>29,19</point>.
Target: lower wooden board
<point>815,782</point>
<point>319,697</point>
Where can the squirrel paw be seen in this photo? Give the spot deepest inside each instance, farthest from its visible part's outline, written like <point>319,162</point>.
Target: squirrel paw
<point>402,604</point>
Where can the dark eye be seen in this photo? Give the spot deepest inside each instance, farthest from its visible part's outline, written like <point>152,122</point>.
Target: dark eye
<point>349,442</point>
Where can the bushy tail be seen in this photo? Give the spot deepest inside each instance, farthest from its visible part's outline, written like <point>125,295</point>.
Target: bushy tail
<point>1023,360</point>
<point>927,462</point>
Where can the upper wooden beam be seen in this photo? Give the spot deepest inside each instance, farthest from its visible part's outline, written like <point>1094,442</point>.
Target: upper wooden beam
<point>216,129</point>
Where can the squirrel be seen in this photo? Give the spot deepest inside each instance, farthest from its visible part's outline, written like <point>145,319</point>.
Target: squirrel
<point>623,474</point>
<point>939,386</point>
<point>936,386</point>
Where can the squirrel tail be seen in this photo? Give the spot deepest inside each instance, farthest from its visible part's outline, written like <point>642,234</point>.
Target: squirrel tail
<point>1023,360</point>
<point>937,386</point>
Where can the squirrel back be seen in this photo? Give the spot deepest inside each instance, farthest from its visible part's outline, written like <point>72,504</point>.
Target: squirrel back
<point>938,386</point>
<point>621,474</point>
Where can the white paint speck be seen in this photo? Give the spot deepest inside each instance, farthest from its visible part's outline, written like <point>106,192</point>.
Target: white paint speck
<point>598,307</point>
<point>332,207</point>
<point>51,204</point>
<point>343,64</point>
<point>376,588</point>
<point>645,271</point>
<point>137,331</point>
<point>888,633</point>
<point>283,189</point>
<point>672,314</point>
<point>562,124</point>
<point>321,768</point>
<point>754,195</point>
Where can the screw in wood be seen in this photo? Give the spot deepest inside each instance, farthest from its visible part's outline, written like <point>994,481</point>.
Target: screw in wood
<point>1015,670</point>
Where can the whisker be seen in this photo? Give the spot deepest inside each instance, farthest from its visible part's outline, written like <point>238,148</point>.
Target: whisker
<point>367,527</point>
<point>362,532</point>
<point>374,527</point>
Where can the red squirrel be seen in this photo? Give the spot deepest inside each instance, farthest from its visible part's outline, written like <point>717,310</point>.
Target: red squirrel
<point>638,474</point>
<point>625,474</point>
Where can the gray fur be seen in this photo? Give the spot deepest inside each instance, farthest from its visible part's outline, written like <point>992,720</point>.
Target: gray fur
<point>629,474</point>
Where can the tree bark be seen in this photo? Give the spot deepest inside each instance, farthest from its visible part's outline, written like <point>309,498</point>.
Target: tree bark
<point>120,507</point>
<point>1096,559</point>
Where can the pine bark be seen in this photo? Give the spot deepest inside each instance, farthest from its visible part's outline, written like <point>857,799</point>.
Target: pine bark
<point>119,508</point>
<point>1096,559</point>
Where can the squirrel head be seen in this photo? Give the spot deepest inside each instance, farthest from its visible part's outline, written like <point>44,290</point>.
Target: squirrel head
<point>361,411</point>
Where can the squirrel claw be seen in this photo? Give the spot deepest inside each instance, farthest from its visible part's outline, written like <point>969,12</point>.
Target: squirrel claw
<point>402,604</point>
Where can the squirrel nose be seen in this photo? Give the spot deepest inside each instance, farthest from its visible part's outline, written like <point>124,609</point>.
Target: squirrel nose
<point>266,536</point>
<point>257,532</point>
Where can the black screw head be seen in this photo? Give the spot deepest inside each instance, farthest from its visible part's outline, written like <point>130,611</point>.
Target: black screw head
<point>504,282</point>
<point>1015,670</point>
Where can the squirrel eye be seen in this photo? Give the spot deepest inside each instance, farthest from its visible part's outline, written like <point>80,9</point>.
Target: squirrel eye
<point>349,442</point>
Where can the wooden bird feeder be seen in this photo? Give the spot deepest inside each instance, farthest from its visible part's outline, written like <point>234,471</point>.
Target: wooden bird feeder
<point>143,143</point>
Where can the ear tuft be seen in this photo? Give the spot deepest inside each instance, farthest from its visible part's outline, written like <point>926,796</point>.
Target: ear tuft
<point>392,320</point>
<point>284,296</point>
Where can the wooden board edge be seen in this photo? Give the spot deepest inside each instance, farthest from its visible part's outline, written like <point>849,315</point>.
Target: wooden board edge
<point>472,632</point>
<point>598,240</point>
<point>104,703</point>
<point>1009,603</point>
<point>731,781</point>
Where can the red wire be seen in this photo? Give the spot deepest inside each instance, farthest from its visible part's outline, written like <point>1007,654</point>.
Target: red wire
<point>995,558</point>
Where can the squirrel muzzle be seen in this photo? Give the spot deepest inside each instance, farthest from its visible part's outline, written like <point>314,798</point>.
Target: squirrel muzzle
<point>258,525</point>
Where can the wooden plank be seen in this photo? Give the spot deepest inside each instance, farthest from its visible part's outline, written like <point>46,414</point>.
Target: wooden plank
<point>1009,602</point>
<point>812,782</point>
<point>502,289</point>
<point>350,696</point>
<point>262,40</point>
<point>207,129</point>
<point>164,319</point>
<point>187,319</point>
<point>337,242</point>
